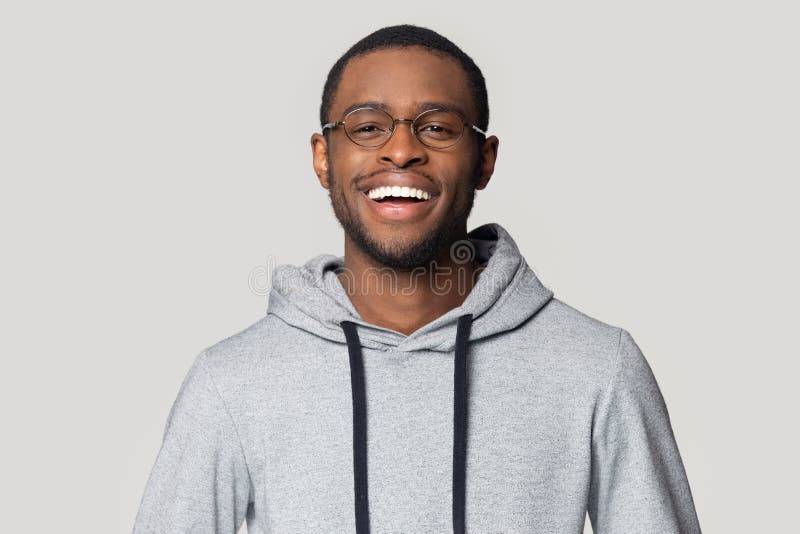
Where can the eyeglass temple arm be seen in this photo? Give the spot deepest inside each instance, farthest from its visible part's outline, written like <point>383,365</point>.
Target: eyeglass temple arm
<point>331,125</point>
<point>477,129</point>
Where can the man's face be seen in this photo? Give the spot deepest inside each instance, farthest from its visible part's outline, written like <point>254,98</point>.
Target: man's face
<point>403,233</point>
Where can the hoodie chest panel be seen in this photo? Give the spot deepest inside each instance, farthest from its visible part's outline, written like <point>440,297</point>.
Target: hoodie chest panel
<point>410,438</point>
<point>528,442</point>
<point>308,454</point>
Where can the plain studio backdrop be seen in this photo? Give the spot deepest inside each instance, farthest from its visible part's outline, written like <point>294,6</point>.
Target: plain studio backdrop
<point>155,164</point>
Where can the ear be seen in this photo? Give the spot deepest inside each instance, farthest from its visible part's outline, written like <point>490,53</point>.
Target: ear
<point>319,154</point>
<point>488,156</point>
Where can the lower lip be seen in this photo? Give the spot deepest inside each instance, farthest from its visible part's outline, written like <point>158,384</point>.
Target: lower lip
<point>399,211</point>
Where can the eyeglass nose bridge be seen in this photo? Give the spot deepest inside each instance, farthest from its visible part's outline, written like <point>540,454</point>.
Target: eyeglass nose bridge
<point>394,127</point>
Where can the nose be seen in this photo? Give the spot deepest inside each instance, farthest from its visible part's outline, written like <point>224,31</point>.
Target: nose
<point>403,149</point>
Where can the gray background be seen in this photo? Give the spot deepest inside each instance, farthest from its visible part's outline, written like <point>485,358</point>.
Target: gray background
<point>155,160</point>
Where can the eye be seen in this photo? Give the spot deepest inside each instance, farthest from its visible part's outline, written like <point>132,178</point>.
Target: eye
<point>364,129</point>
<point>437,131</point>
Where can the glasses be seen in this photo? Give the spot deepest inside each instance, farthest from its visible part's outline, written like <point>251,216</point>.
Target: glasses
<point>372,127</point>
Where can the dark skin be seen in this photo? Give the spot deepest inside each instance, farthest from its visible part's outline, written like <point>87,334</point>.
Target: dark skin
<point>404,80</point>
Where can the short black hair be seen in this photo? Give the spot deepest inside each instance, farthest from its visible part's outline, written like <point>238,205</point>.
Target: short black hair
<point>405,35</point>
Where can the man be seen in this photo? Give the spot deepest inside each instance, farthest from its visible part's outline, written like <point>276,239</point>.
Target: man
<point>426,381</point>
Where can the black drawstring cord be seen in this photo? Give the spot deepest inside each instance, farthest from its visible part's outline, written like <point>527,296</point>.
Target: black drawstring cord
<point>359,427</point>
<point>360,424</point>
<point>460,423</point>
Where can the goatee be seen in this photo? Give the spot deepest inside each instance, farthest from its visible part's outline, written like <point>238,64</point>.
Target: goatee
<point>395,255</point>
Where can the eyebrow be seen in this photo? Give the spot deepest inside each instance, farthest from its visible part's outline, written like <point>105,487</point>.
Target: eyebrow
<point>424,106</point>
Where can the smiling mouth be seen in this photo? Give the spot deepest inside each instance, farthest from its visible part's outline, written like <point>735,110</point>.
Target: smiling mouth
<point>400,208</point>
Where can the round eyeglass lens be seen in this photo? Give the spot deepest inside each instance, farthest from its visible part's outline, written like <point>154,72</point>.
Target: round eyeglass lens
<point>368,127</point>
<point>439,128</point>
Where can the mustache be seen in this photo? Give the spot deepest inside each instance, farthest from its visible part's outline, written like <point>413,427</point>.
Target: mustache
<point>360,178</point>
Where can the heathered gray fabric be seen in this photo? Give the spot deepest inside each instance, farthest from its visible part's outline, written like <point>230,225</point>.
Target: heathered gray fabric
<point>565,416</point>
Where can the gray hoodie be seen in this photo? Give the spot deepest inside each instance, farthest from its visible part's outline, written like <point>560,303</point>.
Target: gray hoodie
<point>513,412</point>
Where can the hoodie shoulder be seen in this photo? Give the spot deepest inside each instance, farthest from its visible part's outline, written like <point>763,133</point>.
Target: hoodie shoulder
<point>240,357</point>
<point>581,338</point>
<point>578,320</point>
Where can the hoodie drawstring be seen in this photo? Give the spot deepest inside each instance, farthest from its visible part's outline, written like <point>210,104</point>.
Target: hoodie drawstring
<point>460,422</point>
<point>360,424</point>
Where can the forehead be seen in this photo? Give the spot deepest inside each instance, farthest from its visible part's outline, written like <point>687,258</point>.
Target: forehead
<point>406,81</point>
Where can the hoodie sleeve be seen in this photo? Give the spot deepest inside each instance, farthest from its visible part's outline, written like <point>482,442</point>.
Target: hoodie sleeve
<point>638,482</point>
<point>200,481</point>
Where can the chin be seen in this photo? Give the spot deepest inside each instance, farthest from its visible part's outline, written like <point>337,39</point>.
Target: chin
<point>404,254</point>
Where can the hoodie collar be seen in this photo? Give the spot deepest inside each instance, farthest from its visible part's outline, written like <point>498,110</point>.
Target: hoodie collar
<point>507,293</point>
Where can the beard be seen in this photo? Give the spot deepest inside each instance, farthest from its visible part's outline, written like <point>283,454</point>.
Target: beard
<point>396,254</point>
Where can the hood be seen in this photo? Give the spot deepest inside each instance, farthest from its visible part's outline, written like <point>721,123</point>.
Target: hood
<point>507,293</point>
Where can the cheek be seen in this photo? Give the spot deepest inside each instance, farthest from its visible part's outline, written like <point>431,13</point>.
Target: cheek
<point>462,174</point>
<point>347,160</point>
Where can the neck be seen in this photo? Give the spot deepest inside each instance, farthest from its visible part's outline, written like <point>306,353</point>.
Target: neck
<point>404,301</point>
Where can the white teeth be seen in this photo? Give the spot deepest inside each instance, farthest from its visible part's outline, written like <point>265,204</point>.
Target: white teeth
<point>397,191</point>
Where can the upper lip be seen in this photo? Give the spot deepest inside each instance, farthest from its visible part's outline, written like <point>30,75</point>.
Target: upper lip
<point>400,179</point>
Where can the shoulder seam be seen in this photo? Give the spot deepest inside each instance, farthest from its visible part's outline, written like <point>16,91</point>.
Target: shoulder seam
<point>203,356</point>
<point>617,365</point>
